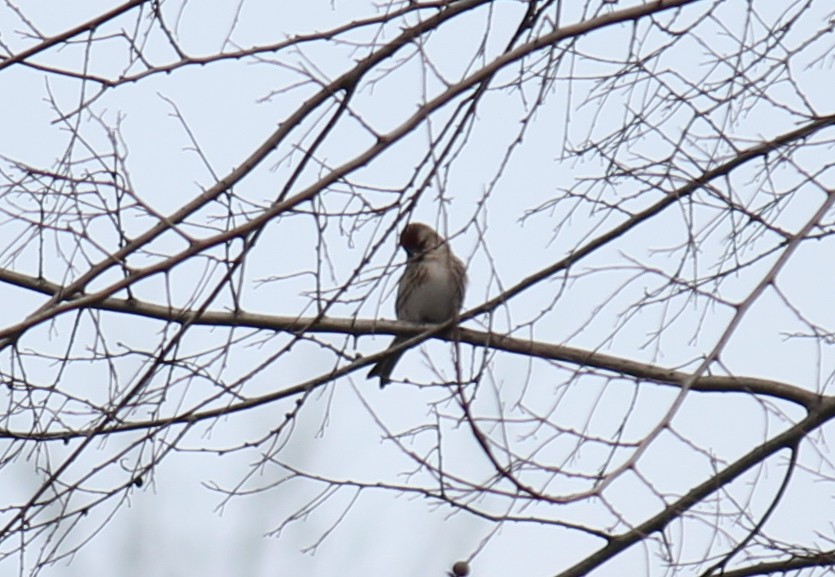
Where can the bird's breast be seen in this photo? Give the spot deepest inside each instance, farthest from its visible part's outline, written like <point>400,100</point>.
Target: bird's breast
<point>434,299</point>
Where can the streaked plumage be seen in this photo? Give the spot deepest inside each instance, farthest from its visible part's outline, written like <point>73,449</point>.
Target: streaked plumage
<point>431,289</point>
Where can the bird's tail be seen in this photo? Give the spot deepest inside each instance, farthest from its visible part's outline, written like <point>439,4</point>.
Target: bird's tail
<point>385,366</point>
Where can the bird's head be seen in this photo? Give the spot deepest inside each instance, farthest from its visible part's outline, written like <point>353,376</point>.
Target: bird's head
<point>418,239</point>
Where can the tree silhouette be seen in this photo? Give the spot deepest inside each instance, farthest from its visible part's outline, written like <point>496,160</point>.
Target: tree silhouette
<point>201,209</point>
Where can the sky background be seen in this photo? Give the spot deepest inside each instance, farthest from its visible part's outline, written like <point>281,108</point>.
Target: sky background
<point>538,174</point>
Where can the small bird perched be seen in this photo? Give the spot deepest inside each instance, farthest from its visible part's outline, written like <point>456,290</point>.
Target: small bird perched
<point>431,289</point>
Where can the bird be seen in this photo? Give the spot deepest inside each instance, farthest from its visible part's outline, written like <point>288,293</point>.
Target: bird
<point>431,289</point>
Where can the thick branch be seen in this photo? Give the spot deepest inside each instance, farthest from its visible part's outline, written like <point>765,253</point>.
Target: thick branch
<point>823,559</point>
<point>60,39</point>
<point>348,80</point>
<point>359,327</point>
<point>790,438</point>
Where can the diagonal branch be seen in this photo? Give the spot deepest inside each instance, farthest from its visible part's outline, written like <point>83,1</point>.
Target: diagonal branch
<point>789,439</point>
<point>60,39</point>
<point>73,296</point>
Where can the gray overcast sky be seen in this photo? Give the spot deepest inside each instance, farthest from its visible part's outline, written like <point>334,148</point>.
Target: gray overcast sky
<point>546,165</point>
